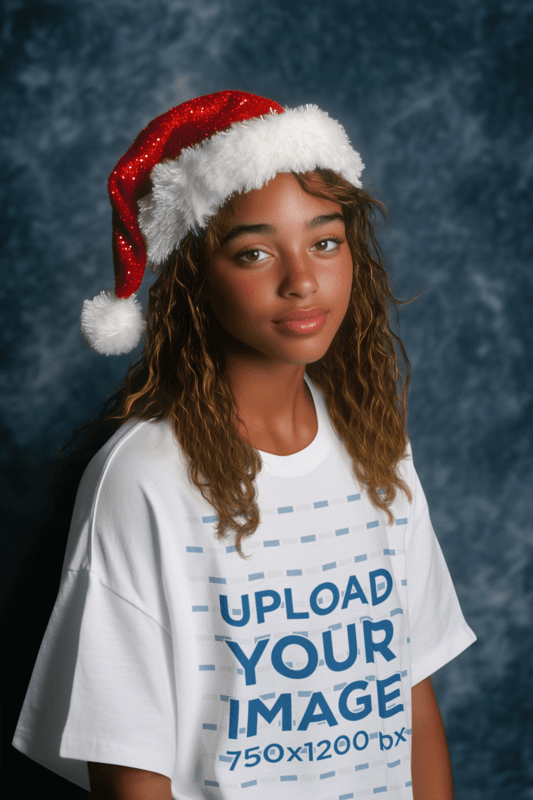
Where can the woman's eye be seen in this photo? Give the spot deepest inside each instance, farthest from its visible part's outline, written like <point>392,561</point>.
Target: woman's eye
<point>252,256</point>
<point>327,245</point>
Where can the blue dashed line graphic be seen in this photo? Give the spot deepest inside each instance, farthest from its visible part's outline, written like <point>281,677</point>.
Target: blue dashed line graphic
<point>329,531</point>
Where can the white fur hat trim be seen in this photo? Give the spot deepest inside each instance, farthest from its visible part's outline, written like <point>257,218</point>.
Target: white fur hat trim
<point>188,190</point>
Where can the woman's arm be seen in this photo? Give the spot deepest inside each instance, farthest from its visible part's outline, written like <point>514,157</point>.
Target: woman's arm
<point>113,782</point>
<point>431,769</point>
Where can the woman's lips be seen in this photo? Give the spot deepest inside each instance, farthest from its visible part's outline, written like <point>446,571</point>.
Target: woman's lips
<point>302,313</point>
<point>302,326</point>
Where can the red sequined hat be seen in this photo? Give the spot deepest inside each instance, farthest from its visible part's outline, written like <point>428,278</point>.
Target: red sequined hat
<point>180,170</point>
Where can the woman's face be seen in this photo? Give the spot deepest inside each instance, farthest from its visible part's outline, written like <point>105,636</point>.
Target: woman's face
<point>284,251</point>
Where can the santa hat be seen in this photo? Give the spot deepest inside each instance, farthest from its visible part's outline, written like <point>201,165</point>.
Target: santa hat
<point>178,173</point>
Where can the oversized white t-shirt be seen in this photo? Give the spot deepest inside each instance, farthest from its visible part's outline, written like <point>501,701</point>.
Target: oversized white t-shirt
<point>289,671</point>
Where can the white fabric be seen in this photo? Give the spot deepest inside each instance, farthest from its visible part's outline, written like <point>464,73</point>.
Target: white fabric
<point>135,667</point>
<point>111,325</point>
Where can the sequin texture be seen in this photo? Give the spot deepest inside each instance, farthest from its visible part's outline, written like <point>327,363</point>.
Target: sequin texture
<point>164,138</point>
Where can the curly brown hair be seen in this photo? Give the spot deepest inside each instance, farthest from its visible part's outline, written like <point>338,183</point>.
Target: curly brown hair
<point>180,375</point>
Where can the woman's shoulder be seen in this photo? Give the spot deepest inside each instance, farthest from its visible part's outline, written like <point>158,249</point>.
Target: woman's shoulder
<point>406,461</point>
<point>119,489</point>
<point>139,448</point>
<point>406,471</point>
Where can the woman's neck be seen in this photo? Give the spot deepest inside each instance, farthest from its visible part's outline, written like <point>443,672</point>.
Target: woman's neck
<point>275,409</point>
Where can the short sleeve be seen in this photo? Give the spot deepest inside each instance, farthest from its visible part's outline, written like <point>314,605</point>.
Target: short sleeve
<point>437,628</point>
<point>102,687</point>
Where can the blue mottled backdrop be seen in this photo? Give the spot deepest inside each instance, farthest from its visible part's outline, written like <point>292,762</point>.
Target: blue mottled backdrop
<point>437,97</point>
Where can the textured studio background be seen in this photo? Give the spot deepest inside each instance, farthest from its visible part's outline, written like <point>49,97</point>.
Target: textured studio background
<point>437,97</point>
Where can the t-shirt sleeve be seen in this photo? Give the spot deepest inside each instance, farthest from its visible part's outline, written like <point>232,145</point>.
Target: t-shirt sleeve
<point>437,628</point>
<point>101,689</point>
<point>103,685</point>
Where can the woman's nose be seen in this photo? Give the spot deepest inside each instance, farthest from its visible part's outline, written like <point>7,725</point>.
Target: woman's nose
<point>298,275</point>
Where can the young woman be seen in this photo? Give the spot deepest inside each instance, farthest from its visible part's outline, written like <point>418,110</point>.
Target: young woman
<point>253,598</point>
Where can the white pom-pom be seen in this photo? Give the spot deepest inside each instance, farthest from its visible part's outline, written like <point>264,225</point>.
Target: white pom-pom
<point>111,325</point>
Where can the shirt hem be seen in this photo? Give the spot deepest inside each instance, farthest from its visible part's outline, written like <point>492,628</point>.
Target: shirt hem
<point>24,744</point>
<point>81,751</point>
<point>110,753</point>
<point>438,658</point>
